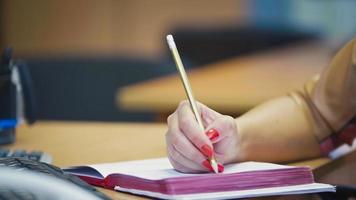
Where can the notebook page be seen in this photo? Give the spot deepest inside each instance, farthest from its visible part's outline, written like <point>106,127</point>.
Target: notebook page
<point>286,190</point>
<point>160,168</point>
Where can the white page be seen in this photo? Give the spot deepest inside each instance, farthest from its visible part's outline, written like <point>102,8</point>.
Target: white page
<point>286,190</point>
<point>160,168</point>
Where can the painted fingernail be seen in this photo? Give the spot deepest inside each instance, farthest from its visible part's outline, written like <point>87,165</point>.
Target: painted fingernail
<point>207,150</point>
<point>207,165</point>
<point>220,168</point>
<point>212,134</point>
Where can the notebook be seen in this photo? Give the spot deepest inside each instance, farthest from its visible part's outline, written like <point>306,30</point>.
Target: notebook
<point>157,178</point>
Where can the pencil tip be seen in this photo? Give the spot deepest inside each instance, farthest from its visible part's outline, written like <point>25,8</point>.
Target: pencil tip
<point>214,165</point>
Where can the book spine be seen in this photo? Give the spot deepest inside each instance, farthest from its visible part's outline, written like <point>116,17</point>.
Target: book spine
<point>94,181</point>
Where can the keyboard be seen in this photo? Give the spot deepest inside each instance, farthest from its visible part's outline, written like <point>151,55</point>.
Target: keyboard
<point>26,164</point>
<point>32,155</point>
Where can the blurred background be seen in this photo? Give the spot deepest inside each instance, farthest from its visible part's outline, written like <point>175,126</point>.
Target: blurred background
<point>80,52</point>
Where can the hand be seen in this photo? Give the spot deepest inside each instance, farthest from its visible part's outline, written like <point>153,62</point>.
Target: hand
<point>189,147</point>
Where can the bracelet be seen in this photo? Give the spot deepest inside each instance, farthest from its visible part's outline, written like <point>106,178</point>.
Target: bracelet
<point>345,135</point>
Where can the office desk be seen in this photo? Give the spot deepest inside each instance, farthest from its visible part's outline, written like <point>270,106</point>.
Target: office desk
<point>87,143</point>
<point>73,144</point>
<point>232,86</point>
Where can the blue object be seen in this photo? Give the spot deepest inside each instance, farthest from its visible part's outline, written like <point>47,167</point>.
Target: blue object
<point>8,123</point>
<point>274,14</point>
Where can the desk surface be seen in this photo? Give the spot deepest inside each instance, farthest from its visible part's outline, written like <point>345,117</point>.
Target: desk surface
<point>233,86</point>
<point>86,143</point>
<point>73,144</point>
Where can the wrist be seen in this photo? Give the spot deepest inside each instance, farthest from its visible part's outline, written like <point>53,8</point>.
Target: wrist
<point>241,149</point>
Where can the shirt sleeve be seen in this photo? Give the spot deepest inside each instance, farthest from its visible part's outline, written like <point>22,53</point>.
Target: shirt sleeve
<point>329,99</point>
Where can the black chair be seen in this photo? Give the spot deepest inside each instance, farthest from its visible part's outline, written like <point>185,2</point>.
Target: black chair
<point>200,46</point>
<point>85,88</point>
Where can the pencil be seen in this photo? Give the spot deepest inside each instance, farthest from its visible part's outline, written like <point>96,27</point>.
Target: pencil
<point>188,91</point>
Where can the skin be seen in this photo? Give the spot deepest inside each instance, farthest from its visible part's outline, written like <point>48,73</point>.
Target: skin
<point>239,139</point>
<point>284,129</point>
<point>184,138</point>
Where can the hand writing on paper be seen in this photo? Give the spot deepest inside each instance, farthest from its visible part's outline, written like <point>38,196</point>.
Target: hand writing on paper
<point>188,147</point>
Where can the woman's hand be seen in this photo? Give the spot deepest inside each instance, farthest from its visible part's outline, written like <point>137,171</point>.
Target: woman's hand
<point>189,147</point>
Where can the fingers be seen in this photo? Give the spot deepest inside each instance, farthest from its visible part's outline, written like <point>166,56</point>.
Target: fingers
<point>181,150</point>
<point>189,147</point>
<point>190,128</point>
<point>183,164</point>
<point>182,145</point>
<point>222,127</point>
<point>223,132</point>
<point>179,167</point>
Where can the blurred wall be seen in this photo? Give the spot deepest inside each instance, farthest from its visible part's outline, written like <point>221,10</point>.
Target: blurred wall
<point>82,27</point>
<point>333,20</point>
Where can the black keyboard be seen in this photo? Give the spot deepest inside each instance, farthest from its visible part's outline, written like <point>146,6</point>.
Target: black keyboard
<point>21,164</point>
<point>32,155</point>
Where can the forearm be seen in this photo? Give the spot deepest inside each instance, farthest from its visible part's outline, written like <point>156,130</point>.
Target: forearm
<point>276,131</point>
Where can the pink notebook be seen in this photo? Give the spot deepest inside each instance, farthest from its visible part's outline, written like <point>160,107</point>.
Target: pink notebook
<point>157,178</point>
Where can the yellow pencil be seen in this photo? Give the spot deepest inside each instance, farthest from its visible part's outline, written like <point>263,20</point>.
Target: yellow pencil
<point>188,90</point>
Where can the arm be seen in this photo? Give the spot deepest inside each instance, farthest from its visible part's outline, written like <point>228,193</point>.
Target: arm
<point>287,128</point>
<point>276,131</point>
<point>291,127</point>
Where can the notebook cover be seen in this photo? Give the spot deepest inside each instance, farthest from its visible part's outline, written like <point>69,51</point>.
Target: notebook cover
<point>89,175</point>
<point>215,182</point>
<point>199,183</point>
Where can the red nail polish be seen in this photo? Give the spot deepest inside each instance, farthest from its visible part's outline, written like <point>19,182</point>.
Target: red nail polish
<point>221,167</point>
<point>212,134</point>
<point>207,150</point>
<point>207,165</point>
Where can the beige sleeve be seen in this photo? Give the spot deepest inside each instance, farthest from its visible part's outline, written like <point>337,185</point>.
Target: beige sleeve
<point>333,96</point>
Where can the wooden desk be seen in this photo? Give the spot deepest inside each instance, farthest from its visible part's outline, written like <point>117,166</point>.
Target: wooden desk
<point>73,144</point>
<point>233,86</point>
<point>87,143</point>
